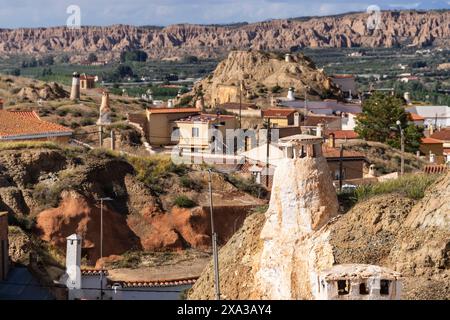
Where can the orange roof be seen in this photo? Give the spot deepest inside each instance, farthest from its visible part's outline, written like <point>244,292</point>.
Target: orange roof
<point>275,113</point>
<point>416,117</point>
<point>315,120</point>
<point>443,134</point>
<point>431,141</point>
<point>236,105</point>
<point>336,153</point>
<point>158,283</point>
<point>342,76</point>
<point>172,110</point>
<point>343,134</point>
<point>27,125</point>
<point>87,77</point>
<point>205,118</point>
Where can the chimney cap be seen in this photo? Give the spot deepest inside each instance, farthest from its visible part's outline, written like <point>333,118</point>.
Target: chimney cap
<point>74,237</point>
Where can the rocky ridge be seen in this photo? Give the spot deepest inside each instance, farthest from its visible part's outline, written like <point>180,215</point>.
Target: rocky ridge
<point>397,28</point>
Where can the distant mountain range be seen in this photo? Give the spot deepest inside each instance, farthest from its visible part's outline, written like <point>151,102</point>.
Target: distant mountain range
<point>396,28</point>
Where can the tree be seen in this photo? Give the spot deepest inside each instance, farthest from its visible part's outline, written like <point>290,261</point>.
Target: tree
<point>64,58</point>
<point>377,122</point>
<point>92,57</point>
<point>124,71</point>
<point>136,55</point>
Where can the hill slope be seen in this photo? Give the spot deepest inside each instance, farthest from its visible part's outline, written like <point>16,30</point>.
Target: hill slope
<point>389,230</point>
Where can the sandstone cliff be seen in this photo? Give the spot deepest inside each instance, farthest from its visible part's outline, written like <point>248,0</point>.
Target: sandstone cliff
<point>52,192</point>
<point>259,74</point>
<point>389,230</point>
<point>397,28</point>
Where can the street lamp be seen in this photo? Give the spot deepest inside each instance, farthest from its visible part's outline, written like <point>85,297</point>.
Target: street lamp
<point>214,240</point>
<point>101,241</point>
<point>402,142</point>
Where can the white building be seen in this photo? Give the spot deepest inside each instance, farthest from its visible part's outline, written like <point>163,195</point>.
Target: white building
<point>438,116</point>
<point>358,282</point>
<point>98,285</point>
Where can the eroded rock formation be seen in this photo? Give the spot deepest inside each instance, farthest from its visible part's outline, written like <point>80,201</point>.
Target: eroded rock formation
<point>398,28</point>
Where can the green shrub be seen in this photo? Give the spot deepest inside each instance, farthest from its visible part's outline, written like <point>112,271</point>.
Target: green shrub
<point>87,122</point>
<point>184,202</point>
<point>411,185</point>
<point>247,185</point>
<point>61,112</point>
<point>189,183</point>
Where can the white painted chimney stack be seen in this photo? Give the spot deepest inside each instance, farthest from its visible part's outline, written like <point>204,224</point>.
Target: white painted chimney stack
<point>290,96</point>
<point>73,262</point>
<point>75,91</point>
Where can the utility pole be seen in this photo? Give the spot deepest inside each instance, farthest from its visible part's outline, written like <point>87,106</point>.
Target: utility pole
<point>268,152</point>
<point>100,135</point>
<point>306,105</point>
<point>402,142</point>
<point>341,166</point>
<point>101,243</point>
<point>240,103</point>
<point>214,240</point>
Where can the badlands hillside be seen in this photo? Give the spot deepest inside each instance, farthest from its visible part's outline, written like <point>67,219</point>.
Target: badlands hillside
<point>391,230</point>
<point>264,75</point>
<point>51,192</point>
<point>398,28</point>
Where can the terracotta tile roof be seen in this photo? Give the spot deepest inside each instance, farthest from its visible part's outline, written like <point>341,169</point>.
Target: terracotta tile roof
<point>158,283</point>
<point>87,77</point>
<point>336,153</point>
<point>278,113</point>
<point>171,110</point>
<point>444,135</point>
<point>342,76</point>
<point>431,141</point>
<point>28,125</point>
<point>343,134</point>
<point>447,150</point>
<point>315,120</point>
<point>235,105</point>
<point>93,272</point>
<point>205,118</point>
<point>26,114</point>
<point>416,117</point>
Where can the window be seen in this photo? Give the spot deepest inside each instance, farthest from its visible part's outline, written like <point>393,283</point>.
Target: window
<point>195,132</point>
<point>384,287</point>
<point>363,290</point>
<point>343,287</point>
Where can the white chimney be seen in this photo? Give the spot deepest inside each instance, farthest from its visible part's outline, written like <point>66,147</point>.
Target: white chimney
<point>407,98</point>
<point>319,130</point>
<point>75,91</point>
<point>297,119</point>
<point>73,262</point>
<point>432,157</point>
<point>372,170</point>
<point>287,57</point>
<point>290,95</point>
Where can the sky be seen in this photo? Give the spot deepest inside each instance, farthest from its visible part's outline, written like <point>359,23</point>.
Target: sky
<point>45,13</point>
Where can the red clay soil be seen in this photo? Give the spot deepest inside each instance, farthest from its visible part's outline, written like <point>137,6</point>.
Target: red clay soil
<point>150,230</point>
<point>76,214</point>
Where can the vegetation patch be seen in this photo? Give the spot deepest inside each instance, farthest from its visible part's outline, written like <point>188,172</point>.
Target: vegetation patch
<point>184,202</point>
<point>411,185</point>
